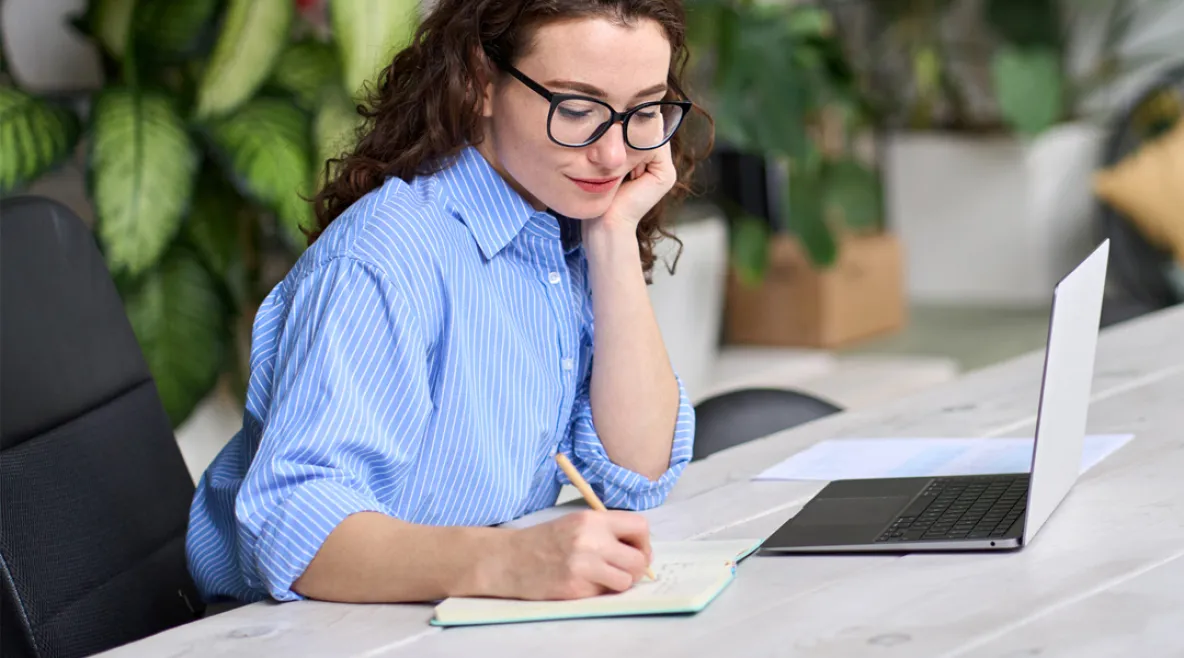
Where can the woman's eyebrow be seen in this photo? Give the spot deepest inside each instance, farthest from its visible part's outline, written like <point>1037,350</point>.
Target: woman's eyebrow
<point>585,88</point>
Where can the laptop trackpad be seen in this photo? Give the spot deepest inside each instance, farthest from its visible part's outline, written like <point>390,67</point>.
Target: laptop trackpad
<point>866,510</point>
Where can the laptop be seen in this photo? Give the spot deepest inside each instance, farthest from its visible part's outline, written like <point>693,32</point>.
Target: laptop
<point>980,512</point>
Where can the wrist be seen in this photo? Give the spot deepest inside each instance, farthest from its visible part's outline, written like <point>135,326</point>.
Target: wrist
<point>490,551</point>
<point>605,240</point>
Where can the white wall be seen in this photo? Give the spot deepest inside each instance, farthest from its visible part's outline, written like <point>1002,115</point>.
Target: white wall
<point>44,53</point>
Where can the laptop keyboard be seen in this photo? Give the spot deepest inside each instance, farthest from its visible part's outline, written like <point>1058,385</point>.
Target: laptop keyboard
<point>977,507</point>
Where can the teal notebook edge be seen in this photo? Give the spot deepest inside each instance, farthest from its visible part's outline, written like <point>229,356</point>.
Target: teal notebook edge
<point>751,549</point>
<point>682,610</point>
<point>685,610</point>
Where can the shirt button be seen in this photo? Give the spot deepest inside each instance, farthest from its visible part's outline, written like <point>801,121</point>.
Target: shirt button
<point>568,364</point>
<point>553,277</point>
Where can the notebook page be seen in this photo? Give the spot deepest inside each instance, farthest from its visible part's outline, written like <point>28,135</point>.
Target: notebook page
<point>680,586</point>
<point>705,550</point>
<point>688,575</point>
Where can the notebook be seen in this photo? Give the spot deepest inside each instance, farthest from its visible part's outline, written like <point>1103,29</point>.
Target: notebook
<point>690,574</point>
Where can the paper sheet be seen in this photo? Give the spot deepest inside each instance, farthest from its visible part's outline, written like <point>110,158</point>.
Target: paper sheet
<point>844,459</point>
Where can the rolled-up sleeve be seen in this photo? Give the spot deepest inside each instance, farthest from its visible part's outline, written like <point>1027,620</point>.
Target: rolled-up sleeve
<point>349,405</point>
<point>619,487</point>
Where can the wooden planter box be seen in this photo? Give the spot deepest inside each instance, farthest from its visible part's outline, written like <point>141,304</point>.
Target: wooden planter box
<point>861,296</point>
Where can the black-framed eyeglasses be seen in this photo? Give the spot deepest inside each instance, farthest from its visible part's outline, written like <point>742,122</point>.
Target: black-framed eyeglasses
<point>575,120</point>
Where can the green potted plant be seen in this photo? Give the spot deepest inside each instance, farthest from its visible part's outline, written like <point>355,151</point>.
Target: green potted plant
<point>212,127</point>
<point>788,114</point>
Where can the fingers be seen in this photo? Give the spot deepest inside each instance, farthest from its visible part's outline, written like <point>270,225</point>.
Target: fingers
<point>591,574</point>
<point>663,156</point>
<point>658,160</point>
<point>627,559</point>
<point>608,576</point>
<point>603,552</point>
<point>662,165</point>
<point>631,528</point>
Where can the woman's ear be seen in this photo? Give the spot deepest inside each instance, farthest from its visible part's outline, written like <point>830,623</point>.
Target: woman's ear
<point>484,75</point>
<point>487,100</point>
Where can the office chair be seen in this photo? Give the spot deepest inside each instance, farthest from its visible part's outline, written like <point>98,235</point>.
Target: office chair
<point>735,417</point>
<point>94,492</point>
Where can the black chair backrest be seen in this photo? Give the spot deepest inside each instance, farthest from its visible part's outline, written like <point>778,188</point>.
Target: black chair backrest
<point>94,492</point>
<point>1139,268</point>
<point>735,417</point>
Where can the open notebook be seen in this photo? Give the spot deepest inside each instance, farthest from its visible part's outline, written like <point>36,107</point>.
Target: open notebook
<point>690,575</point>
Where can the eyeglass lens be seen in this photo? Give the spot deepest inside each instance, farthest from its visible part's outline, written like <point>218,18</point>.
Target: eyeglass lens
<point>574,122</point>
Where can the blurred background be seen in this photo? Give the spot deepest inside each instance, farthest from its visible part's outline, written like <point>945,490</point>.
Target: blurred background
<point>896,185</point>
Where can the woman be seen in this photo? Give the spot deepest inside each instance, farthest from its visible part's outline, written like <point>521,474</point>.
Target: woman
<point>418,369</point>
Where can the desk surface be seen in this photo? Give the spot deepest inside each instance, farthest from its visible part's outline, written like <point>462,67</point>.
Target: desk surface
<point>1105,577</point>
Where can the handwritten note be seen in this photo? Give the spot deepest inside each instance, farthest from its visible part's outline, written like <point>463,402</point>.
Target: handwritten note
<point>676,581</point>
<point>846,459</point>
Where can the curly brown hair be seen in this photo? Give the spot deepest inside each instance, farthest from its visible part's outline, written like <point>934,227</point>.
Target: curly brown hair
<point>426,105</point>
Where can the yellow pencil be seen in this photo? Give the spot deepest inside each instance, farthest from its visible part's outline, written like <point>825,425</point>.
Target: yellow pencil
<point>590,496</point>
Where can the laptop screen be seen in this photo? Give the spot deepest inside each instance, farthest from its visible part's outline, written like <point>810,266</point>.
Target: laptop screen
<point>1065,390</point>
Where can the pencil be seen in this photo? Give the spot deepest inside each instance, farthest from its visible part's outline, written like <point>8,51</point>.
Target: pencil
<point>590,496</point>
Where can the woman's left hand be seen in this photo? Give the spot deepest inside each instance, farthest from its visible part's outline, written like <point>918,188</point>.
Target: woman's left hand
<point>651,180</point>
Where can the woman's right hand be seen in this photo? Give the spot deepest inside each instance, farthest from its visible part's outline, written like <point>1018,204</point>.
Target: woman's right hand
<point>579,555</point>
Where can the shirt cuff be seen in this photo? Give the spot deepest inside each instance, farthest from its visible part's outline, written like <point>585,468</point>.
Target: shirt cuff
<point>619,487</point>
<point>294,533</point>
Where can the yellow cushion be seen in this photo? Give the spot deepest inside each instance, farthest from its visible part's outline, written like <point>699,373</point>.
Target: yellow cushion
<point>1148,187</point>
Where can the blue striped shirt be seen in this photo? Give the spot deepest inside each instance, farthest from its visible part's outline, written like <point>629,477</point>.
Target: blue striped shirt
<point>425,358</point>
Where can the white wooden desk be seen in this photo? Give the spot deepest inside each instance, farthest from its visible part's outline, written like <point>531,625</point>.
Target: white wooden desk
<point>1105,577</point>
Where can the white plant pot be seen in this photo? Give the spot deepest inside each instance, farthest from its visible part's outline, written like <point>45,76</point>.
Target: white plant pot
<point>991,220</point>
<point>689,305</point>
<point>45,54</point>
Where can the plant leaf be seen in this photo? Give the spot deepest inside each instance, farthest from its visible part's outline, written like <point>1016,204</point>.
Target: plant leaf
<point>761,84</point>
<point>1112,70</point>
<point>266,146</point>
<point>837,74</point>
<point>215,231</point>
<point>750,248</point>
<point>171,29</point>
<point>111,22</point>
<point>805,21</point>
<point>368,34</point>
<point>703,19</point>
<point>306,69</point>
<point>334,128</point>
<point>852,191</point>
<point>807,219</point>
<point>142,167</point>
<point>34,137</point>
<point>1029,87</point>
<point>252,37</point>
<point>180,324</point>
<point>906,10</point>
<point>1156,113</point>
<point>1026,23</point>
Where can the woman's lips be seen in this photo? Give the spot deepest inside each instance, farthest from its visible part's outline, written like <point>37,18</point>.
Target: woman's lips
<point>595,185</point>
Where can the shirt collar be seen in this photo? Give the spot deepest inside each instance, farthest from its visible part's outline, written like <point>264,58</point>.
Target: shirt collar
<point>492,210</point>
<point>570,232</point>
